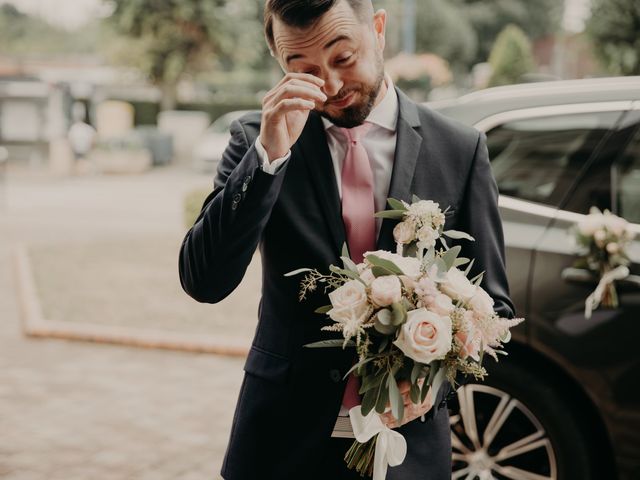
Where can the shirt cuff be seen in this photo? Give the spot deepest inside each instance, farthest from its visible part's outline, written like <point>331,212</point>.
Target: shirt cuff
<point>270,167</point>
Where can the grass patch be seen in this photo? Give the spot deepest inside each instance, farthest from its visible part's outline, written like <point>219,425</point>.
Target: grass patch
<point>134,283</point>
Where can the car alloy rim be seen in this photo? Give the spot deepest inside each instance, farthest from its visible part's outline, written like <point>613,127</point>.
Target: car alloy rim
<point>495,436</point>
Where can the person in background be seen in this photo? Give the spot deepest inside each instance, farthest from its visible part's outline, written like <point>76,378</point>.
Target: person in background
<point>81,136</point>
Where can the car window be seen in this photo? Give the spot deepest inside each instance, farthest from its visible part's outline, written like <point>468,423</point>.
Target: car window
<point>538,159</point>
<point>600,184</point>
<point>626,181</point>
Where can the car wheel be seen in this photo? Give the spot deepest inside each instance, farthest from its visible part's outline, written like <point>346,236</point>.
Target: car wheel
<point>516,426</point>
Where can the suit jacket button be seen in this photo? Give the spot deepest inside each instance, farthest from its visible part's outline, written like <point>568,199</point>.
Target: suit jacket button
<point>236,197</point>
<point>334,374</point>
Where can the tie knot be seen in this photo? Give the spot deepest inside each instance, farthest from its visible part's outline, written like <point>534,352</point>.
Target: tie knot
<point>356,133</point>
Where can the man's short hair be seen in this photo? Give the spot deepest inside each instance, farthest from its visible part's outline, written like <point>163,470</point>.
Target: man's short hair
<point>303,13</point>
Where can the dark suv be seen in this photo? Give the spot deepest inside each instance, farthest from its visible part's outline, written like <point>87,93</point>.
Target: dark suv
<point>565,403</point>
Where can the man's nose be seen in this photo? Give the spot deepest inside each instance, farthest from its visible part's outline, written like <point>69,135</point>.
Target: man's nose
<point>332,85</point>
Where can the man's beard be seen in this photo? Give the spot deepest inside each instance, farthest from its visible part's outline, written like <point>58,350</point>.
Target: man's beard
<point>356,114</point>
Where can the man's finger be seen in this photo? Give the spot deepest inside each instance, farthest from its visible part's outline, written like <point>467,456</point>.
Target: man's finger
<point>291,90</point>
<point>290,104</point>
<point>277,92</point>
<point>303,76</point>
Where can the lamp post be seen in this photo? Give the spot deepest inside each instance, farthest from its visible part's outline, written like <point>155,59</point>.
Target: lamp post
<point>409,26</point>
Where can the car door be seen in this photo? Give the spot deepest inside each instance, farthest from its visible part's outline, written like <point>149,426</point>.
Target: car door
<point>536,158</point>
<point>601,352</point>
<point>512,425</point>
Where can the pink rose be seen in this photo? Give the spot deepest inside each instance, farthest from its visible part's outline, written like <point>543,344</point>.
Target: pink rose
<point>404,232</point>
<point>425,336</point>
<point>441,304</point>
<point>386,290</point>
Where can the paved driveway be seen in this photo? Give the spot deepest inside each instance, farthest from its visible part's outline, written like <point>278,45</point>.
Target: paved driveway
<point>75,410</point>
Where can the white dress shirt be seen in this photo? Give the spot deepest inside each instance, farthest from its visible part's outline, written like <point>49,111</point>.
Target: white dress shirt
<point>380,144</point>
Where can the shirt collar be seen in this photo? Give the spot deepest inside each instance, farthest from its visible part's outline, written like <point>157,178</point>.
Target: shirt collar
<point>385,114</point>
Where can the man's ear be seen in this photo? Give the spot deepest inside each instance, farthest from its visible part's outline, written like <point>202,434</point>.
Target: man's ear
<point>379,27</point>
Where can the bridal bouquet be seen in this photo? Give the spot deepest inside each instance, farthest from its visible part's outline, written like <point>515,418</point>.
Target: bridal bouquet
<point>414,317</point>
<point>603,238</point>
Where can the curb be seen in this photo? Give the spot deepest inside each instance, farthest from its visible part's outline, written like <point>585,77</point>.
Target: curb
<point>35,325</point>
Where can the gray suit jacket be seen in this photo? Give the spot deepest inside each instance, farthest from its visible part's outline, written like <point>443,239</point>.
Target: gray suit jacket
<point>290,395</point>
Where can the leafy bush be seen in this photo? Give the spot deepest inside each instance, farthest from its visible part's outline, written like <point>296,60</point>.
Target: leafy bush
<point>511,57</point>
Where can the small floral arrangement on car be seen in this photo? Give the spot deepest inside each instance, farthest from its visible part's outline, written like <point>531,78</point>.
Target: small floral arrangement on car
<point>603,238</point>
<point>414,318</point>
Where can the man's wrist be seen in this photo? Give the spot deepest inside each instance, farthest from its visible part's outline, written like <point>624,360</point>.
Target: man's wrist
<point>268,166</point>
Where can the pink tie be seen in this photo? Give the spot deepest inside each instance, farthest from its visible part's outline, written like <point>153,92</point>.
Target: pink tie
<point>357,213</point>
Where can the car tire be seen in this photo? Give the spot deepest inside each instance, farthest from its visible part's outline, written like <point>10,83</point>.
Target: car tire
<point>516,422</point>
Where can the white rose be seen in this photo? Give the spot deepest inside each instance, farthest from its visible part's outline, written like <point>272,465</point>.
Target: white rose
<point>438,219</point>
<point>351,294</point>
<point>428,235</point>
<point>350,306</point>
<point>481,303</point>
<point>425,336</point>
<point>457,285</point>
<point>404,232</point>
<point>615,224</point>
<point>386,290</point>
<point>590,224</point>
<point>424,209</point>
<point>410,266</point>
<point>599,236</point>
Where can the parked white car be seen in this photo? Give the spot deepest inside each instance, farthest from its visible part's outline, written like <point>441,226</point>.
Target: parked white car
<point>211,145</point>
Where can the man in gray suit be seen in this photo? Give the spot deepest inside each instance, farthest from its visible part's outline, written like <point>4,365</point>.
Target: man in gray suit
<point>281,186</point>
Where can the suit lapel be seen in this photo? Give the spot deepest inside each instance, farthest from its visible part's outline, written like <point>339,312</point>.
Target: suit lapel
<point>314,149</point>
<point>408,144</point>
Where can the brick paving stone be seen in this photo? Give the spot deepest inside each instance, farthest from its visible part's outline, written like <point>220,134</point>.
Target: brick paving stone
<point>72,410</point>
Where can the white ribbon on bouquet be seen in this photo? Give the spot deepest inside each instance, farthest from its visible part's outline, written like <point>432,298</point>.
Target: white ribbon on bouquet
<point>391,447</point>
<point>594,299</point>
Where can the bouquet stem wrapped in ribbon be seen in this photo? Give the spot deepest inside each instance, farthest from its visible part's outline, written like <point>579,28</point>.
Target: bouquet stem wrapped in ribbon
<point>414,318</point>
<point>603,238</point>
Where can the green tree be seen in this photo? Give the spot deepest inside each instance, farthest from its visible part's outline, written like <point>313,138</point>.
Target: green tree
<point>173,38</point>
<point>511,57</point>
<point>614,27</point>
<point>444,31</point>
<point>26,35</point>
<point>489,17</point>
